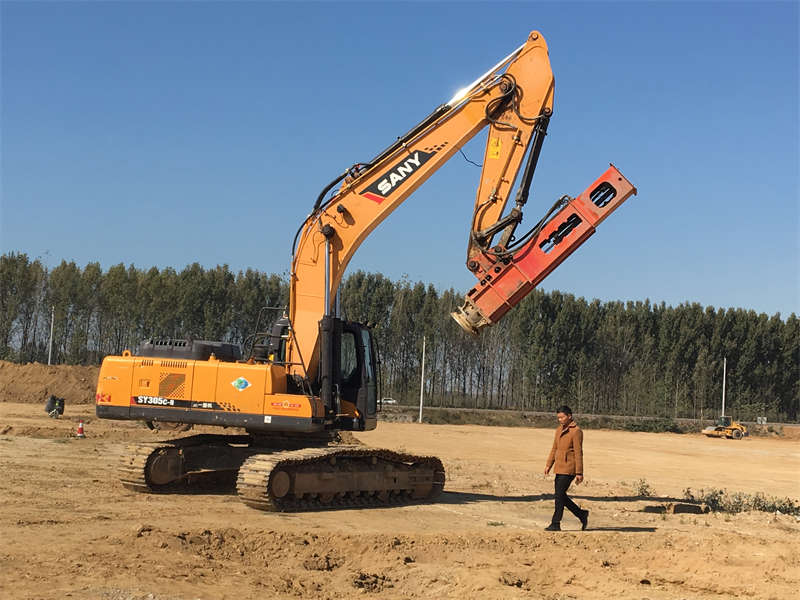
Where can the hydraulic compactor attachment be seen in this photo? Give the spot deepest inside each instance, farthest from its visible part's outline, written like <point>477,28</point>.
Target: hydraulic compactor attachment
<point>507,276</point>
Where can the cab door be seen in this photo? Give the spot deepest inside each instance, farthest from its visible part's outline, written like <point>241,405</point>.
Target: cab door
<point>348,377</point>
<point>356,378</point>
<point>368,400</point>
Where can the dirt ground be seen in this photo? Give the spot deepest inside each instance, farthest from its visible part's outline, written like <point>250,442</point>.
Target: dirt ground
<point>68,529</point>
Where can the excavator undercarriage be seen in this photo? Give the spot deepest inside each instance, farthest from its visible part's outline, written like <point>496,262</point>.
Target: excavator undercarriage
<point>286,478</point>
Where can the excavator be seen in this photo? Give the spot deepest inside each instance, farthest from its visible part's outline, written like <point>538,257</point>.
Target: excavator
<point>312,375</point>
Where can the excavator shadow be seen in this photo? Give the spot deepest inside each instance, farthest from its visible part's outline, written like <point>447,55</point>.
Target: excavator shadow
<point>200,484</point>
<point>224,484</point>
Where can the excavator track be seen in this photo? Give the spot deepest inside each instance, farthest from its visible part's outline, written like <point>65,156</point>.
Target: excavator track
<point>345,476</point>
<point>133,467</point>
<point>335,476</point>
<point>161,466</point>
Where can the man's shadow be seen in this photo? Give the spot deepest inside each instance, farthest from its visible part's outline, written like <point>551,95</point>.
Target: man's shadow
<point>456,498</point>
<point>631,529</point>
<point>451,497</point>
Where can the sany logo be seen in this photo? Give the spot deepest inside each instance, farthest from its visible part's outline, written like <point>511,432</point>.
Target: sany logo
<point>385,185</point>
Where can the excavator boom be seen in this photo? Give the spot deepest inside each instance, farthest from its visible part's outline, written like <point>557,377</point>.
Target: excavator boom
<point>511,98</point>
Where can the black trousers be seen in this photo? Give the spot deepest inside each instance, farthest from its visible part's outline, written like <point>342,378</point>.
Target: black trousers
<point>562,484</point>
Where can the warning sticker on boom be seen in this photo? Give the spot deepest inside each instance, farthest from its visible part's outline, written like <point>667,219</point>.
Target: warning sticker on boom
<point>493,151</point>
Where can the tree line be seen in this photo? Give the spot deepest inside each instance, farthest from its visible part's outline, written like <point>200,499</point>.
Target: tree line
<point>627,358</point>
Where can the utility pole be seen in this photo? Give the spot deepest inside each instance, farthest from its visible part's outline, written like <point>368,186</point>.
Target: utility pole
<point>724,378</point>
<point>422,380</point>
<point>50,343</point>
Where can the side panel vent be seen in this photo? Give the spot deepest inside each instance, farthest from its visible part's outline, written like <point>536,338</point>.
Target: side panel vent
<point>602,194</point>
<point>173,364</point>
<point>559,234</point>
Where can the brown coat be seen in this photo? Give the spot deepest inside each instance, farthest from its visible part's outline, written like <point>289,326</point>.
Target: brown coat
<point>567,451</point>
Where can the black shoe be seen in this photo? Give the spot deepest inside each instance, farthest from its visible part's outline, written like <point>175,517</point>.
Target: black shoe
<point>584,518</point>
<point>553,527</point>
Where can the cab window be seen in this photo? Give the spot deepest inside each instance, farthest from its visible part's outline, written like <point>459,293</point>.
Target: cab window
<point>365,338</point>
<point>349,358</point>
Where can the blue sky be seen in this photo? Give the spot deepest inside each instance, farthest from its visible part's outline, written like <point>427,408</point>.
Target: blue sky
<point>161,134</point>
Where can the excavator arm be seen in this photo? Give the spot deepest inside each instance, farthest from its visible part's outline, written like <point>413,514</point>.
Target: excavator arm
<point>514,98</point>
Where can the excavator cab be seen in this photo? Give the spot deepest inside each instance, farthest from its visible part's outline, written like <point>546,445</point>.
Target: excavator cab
<point>348,384</point>
<point>347,380</point>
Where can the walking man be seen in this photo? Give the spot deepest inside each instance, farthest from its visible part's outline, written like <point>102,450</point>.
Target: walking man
<point>567,456</point>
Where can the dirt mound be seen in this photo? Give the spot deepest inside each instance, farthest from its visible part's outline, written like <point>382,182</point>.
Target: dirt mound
<point>35,382</point>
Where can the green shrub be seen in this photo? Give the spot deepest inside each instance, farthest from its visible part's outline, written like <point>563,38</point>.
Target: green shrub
<point>736,502</point>
<point>653,426</point>
<point>644,489</point>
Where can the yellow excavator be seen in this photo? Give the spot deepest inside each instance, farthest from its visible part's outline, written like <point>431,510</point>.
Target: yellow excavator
<point>313,374</point>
